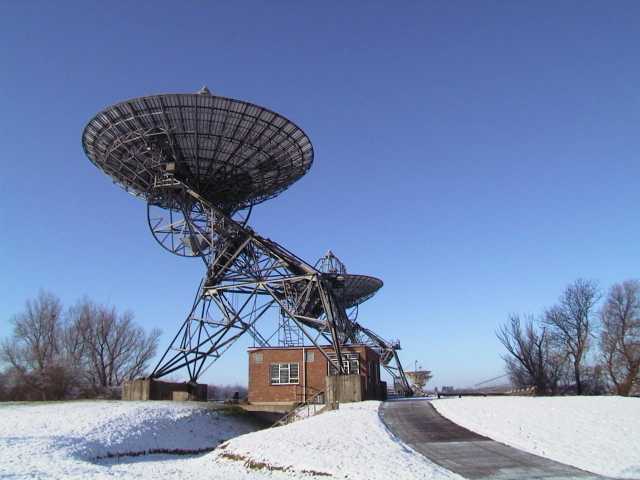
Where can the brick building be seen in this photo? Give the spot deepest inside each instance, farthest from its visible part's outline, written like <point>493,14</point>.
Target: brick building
<point>288,375</point>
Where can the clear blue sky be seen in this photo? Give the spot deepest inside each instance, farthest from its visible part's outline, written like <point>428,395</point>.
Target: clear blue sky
<point>477,156</point>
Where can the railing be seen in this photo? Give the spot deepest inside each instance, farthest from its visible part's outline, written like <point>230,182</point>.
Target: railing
<point>165,180</point>
<point>308,394</point>
<point>528,391</point>
<point>303,410</point>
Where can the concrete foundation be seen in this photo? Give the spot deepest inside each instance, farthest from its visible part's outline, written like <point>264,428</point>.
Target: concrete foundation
<point>267,413</point>
<point>149,389</point>
<point>344,389</point>
<point>272,407</point>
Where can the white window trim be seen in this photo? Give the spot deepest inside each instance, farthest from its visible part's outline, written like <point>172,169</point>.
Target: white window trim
<point>281,367</point>
<point>347,358</point>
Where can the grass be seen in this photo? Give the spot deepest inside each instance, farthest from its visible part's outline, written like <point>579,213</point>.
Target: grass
<point>156,451</point>
<point>257,465</point>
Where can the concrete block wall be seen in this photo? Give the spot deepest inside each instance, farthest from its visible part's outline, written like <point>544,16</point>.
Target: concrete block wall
<point>344,388</point>
<point>137,389</point>
<point>149,389</point>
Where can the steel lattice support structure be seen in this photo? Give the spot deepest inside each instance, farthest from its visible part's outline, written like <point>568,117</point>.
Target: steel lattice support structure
<point>246,275</point>
<point>389,358</point>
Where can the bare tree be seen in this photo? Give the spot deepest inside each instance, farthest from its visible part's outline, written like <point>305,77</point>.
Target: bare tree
<point>34,353</point>
<point>533,359</point>
<point>572,321</point>
<point>51,356</point>
<point>4,386</point>
<point>620,338</point>
<point>110,345</point>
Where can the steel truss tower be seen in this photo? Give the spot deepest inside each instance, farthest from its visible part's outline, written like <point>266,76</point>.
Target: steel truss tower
<point>201,162</point>
<point>246,275</point>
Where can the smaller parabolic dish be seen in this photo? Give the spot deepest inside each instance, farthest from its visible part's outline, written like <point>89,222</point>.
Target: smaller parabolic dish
<point>353,290</point>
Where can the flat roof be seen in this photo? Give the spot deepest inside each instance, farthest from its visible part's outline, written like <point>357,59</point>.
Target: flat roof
<point>353,345</point>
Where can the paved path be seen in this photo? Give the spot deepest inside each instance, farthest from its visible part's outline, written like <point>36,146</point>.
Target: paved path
<point>473,456</point>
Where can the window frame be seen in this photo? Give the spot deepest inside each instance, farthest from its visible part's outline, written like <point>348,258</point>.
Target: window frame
<point>347,360</point>
<point>284,366</point>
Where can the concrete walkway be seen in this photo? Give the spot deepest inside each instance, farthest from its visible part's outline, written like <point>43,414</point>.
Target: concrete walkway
<point>473,456</point>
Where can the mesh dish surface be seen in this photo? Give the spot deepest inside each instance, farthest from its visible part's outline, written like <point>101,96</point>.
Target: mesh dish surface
<point>231,152</point>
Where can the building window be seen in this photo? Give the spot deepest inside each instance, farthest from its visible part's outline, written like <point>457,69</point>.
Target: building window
<point>350,362</point>
<point>310,356</point>
<point>257,357</point>
<point>284,373</point>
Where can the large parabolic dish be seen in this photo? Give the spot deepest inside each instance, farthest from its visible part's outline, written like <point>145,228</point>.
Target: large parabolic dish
<point>232,153</point>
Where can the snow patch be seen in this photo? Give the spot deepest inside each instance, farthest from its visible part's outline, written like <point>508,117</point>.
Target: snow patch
<point>351,442</point>
<point>58,439</point>
<point>598,434</point>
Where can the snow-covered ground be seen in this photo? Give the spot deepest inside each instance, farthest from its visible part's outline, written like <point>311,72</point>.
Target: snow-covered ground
<point>67,439</point>
<point>94,439</point>
<point>71,439</point>
<point>348,443</point>
<point>598,434</point>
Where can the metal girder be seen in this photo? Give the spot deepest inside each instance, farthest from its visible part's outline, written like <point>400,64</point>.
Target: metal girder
<point>246,276</point>
<point>389,358</point>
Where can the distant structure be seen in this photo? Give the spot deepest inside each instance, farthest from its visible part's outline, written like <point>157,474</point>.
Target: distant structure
<point>418,380</point>
<point>202,163</point>
<point>498,384</point>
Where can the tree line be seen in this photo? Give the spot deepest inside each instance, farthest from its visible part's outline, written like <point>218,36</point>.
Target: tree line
<point>226,392</point>
<point>587,343</point>
<point>79,352</point>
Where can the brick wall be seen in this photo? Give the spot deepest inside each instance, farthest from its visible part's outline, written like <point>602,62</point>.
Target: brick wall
<point>312,374</point>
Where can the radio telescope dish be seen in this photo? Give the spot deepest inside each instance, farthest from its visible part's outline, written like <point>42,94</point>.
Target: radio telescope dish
<point>232,153</point>
<point>350,289</point>
<point>357,289</point>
